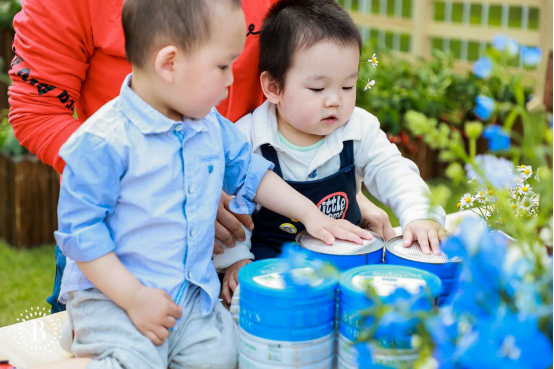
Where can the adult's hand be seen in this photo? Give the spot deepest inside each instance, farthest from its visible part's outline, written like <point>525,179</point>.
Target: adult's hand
<point>228,225</point>
<point>374,218</point>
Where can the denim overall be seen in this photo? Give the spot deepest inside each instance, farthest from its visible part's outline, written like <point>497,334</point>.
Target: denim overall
<point>334,195</point>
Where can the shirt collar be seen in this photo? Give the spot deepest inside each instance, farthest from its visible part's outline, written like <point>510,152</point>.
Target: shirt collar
<point>147,119</point>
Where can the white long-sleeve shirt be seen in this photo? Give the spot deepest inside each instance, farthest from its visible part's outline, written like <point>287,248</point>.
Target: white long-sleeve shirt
<point>389,177</point>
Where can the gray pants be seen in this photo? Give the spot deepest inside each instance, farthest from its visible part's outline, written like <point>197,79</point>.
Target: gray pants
<point>104,332</point>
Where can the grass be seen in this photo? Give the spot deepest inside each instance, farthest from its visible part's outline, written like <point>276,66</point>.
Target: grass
<point>26,279</point>
<point>27,276</point>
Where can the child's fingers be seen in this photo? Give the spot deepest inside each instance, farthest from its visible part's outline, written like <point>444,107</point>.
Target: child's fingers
<point>408,237</point>
<point>162,333</point>
<point>443,235</point>
<point>324,235</point>
<point>152,337</point>
<point>233,282</point>
<point>218,250</point>
<point>344,234</point>
<point>169,322</point>
<point>175,310</point>
<point>423,241</point>
<point>388,231</point>
<point>434,242</point>
<point>362,233</point>
<point>225,289</point>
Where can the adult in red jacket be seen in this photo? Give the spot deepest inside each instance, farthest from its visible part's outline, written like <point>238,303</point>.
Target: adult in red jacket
<point>70,56</point>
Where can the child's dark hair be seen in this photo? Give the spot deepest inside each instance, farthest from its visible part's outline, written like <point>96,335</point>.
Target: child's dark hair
<point>153,23</point>
<point>292,25</point>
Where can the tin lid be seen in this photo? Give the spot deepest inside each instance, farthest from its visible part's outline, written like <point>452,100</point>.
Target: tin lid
<point>340,247</point>
<point>385,279</point>
<point>268,277</point>
<point>414,252</point>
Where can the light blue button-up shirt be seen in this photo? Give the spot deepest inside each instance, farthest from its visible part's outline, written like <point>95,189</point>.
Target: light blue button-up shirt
<point>147,188</point>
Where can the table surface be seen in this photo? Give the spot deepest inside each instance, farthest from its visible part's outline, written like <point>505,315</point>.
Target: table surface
<point>35,341</point>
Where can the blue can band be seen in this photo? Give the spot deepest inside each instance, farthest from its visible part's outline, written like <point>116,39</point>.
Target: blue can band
<point>287,334</point>
<point>296,318</point>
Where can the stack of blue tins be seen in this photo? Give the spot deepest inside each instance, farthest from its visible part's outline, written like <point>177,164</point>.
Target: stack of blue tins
<point>284,324</point>
<point>343,254</point>
<point>446,267</point>
<point>385,280</point>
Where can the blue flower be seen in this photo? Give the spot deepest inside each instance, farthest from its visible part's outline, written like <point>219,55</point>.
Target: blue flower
<point>506,341</point>
<point>498,138</point>
<point>531,56</point>
<point>485,107</point>
<point>498,171</point>
<point>482,68</point>
<point>499,42</point>
<point>503,43</point>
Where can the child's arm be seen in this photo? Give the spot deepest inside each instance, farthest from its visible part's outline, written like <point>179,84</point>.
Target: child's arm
<point>88,195</point>
<point>247,177</point>
<point>276,195</point>
<point>395,181</point>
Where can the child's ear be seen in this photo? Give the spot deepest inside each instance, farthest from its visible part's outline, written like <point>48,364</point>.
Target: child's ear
<point>165,63</point>
<point>270,88</point>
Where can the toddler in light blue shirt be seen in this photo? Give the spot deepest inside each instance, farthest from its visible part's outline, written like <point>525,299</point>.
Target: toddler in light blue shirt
<point>140,192</point>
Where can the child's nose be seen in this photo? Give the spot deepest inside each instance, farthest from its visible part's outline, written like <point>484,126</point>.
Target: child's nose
<point>332,101</point>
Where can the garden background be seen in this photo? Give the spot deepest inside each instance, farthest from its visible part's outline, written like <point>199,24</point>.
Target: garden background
<point>426,52</point>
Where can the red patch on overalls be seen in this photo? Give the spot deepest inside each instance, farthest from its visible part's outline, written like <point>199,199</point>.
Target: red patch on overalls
<point>334,205</point>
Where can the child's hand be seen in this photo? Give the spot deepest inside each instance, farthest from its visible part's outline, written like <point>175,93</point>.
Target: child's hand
<point>426,232</point>
<point>153,312</point>
<point>327,229</point>
<point>231,279</point>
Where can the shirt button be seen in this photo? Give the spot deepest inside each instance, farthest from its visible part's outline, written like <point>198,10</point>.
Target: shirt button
<point>178,127</point>
<point>191,189</point>
<point>192,232</point>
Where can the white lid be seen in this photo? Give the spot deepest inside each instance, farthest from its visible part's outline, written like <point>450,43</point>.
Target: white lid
<point>339,247</point>
<point>415,253</point>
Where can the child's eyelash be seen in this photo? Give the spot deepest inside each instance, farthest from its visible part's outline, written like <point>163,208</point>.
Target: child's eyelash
<point>223,67</point>
<point>316,89</point>
<point>348,88</point>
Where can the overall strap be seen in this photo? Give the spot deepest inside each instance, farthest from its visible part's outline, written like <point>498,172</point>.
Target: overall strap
<point>269,153</point>
<point>347,154</point>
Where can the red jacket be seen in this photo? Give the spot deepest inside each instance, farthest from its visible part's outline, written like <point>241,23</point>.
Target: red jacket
<point>70,54</point>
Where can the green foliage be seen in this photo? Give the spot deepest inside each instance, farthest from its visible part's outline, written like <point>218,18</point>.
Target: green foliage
<point>428,87</point>
<point>8,9</point>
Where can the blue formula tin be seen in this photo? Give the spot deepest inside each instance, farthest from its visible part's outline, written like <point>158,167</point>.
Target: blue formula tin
<point>273,309</point>
<point>446,267</point>
<point>342,254</point>
<point>385,279</point>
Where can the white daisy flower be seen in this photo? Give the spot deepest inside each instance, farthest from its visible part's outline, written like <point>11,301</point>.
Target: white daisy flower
<point>526,203</point>
<point>525,169</point>
<point>481,196</point>
<point>500,221</point>
<point>373,60</point>
<point>524,189</point>
<point>369,85</point>
<point>466,201</point>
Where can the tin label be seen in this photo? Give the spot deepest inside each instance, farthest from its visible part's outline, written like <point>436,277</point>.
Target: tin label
<point>384,286</point>
<point>276,280</point>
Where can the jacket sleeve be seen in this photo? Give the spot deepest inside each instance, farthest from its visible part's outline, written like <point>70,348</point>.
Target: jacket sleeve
<point>391,178</point>
<point>52,44</point>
